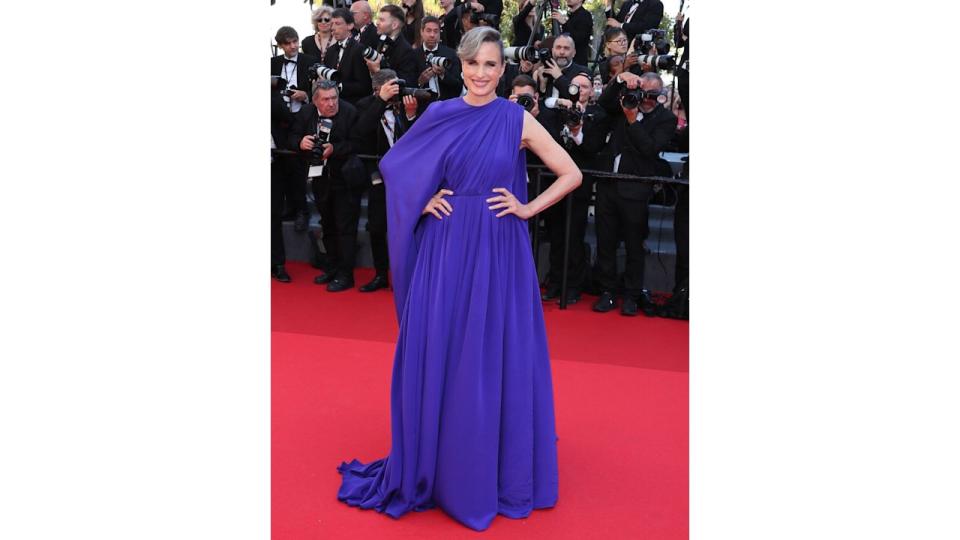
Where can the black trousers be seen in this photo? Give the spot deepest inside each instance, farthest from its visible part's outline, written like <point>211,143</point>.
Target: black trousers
<point>278,255</point>
<point>294,174</point>
<point>339,209</point>
<point>377,227</point>
<point>681,232</point>
<point>555,216</point>
<point>619,217</point>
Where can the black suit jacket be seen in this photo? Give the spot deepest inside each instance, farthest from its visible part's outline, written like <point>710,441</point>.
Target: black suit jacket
<point>304,61</point>
<point>281,120</point>
<point>566,79</point>
<point>639,144</point>
<point>354,75</point>
<point>341,137</point>
<point>369,133</point>
<point>647,16</point>
<point>368,35</point>
<point>585,155</point>
<point>309,46</point>
<point>451,84</point>
<point>580,28</point>
<point>402,59</point>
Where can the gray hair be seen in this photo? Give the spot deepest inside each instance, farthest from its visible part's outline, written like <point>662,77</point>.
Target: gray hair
<point>573,44</point>
<point>317,13</point>
<point>324,84</point>
<point>651,76</point>
<point>382,76</point>
<point>472,41</point>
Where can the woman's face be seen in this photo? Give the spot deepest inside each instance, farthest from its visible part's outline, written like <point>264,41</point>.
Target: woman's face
<point>482,73</point>
<point>618,45</point>
<point>322,23</point>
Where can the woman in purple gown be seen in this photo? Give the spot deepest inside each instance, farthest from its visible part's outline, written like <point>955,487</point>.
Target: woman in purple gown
<point>472,399</point>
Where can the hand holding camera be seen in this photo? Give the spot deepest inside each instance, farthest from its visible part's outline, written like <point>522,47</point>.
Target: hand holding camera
<point>389,90</point>
<point>410,106</point>
<point>551,68</point>
<point>425,76</point>
<point>632,80</point>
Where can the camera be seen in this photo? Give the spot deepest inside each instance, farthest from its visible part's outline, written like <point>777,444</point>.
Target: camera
<point>645,43</point>
<point>658,61</point>
<point>631,99</point>
<point>438,61</point>
<point>324,127</point>
<point>320,71</point>
<point>530,54</point>
<point>371,54</point>
<point>527,101</point>
<point>420,94</point>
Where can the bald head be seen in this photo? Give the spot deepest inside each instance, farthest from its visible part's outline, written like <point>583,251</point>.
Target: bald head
<point>362,13</point>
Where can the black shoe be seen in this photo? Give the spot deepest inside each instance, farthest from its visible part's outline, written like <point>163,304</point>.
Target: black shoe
<point>605,303</point>
<point>573,296</point>
<point>338,285</point>
<point>379,282</point>
<point>280,274</point>
<point>646,304</point>
<point>678,306</point>
<point>323,278</point>
<point>552,293</point>
<point>629,306</point>
<point>301,222</point>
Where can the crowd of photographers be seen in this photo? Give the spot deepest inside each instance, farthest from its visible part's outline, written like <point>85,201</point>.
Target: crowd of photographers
<point>363,79</point>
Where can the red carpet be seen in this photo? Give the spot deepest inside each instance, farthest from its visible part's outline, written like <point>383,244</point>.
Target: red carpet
<point>621,406</point>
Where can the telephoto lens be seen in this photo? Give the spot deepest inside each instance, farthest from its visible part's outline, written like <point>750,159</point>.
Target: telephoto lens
<point>320,71</point>
<point>658,61</point>
<point>438,61</point>
<point>371,54</point>
<point>530,54</point>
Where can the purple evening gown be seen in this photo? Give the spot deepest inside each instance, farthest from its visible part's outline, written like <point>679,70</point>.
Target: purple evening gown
<point>472,399</point>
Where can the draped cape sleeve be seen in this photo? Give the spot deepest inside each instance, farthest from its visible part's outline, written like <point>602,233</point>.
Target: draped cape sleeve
<point>412,172</point>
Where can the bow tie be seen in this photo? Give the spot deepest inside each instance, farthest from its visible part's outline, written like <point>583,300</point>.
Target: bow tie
<point>289,61</point>
<point>343,44</point>
<point>426,50</point>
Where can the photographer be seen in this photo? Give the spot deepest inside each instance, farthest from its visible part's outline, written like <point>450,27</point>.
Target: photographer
<point>524,23</point>
<point>395,52</point>
<point>449,22</point>
<point>681,37</point>
<point>383,119</point>
<point>585,127</point>
<point>578,23</point>
<point>364,31</point>
<point>635,16</point>
<point>556,73</point>
<point>346,56</point>
<point>641,129</point>
<point>292,67</point>
<point>338,189</point>
<point>280,120</point>
<point>447,82</point>
<point>524,93</point>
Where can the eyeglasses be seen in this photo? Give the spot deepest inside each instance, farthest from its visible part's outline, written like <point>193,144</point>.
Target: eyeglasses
<point>621,40</point>
<point>324,19</point>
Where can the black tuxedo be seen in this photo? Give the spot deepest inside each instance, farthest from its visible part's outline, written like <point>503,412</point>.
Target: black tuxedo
<point>594,131</point>
<point>368,35</point>
<point>370,134</point>
<point>580,27</point>
<point>337,200</point>
<point>451,84</point>
<point>280,123</point>
<point>647,16</point>
<point>291,170</point>
<point>304,61</point>
<point>402,59</point>
<point>622,206</point>
<point>566,79</point>
<point>354,75</point>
